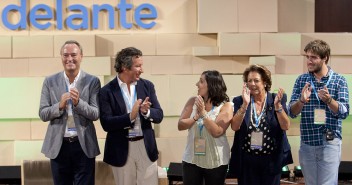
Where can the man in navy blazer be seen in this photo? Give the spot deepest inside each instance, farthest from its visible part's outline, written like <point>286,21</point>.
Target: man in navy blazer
<point>128,105</point>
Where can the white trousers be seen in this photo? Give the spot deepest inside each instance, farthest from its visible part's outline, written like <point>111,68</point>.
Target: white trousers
<point>138,170</point>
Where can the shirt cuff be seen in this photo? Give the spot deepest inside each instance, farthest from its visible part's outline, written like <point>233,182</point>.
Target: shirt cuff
<point>146,115</point>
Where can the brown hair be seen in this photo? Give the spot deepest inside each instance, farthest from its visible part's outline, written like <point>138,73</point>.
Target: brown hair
<point>264,73</point>
<point>319,47</point>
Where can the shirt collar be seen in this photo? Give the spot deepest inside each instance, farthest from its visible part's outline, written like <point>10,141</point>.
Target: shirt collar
<point>123,83</point>
<point>76,78</point>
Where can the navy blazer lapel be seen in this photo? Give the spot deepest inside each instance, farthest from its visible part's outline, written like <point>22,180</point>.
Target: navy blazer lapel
<point>269,106</point>
<point>116,91</point>
<point>140,91</point>
<point>248,115</point>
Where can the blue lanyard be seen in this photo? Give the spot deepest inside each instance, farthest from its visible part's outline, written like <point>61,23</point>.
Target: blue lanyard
<point>69,100</point>
<point>313,87</point>
<point>256,117</point>
<point>201,126</point>
<point>129,103</point>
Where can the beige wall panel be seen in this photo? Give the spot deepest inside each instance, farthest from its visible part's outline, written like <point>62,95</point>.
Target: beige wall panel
<point>174,16</point>
<point>171,154</point>
<point>296,16</point>
<point>182,87</point>
<point>171,64</point>
<point>284,81</point>
<point>340,43</point>
<point>7,153</point>
<point>239,43</point>
<point>294,129</point>
<point>262,18</point>
<point>182,44</point>
<point>234,84</point>
<point>147,64</point>
<point>44,66</point>
<point>101,134</point>
<point>341,64</point>
<point>96,65</point>
<point>168,128</point>
<point>263,60</point>
<point>217,16</point>
<point>15,129</point>
<point>162,87</point>
<point>5,46</point>
<point>109,45</point>
<point>22,97</point>
<point>346,149</point>
<point>14,67</point>
<point>28,150</point>
<point>87,42</point>
<point>280,44</point>
<point>294,143</point>
<point>205,51</point>
<point>290,65</point>
<point>241,63</point>
<point>32,46</point>
<point>13,18</point>
<point>348,78</point>
<point>221,64</point>
<point>38,129</point>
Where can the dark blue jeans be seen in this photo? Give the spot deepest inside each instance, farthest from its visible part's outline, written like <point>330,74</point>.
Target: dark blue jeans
<point>195,175</point>
<point>72,166</point>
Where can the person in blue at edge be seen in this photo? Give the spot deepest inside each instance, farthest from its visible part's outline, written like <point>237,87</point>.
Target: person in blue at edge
<point>128,107</point>
<point>321,96</point>
<point>207,117</point>
<point>260,148</point>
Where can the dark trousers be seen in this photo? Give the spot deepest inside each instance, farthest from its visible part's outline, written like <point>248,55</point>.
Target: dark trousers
<point>195,175</point>
<point>256,171</point>
<point>72,166</point>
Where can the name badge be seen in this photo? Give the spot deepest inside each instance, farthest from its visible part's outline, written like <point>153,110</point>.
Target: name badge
<point>134,131</point>
<point>319,116</point>
<point>71,124</point>
<point>199,146</point>
<point>256,140</point>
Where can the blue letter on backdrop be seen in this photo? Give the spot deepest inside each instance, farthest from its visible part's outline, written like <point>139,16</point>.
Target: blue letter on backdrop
<point>34,17</point>
<point>138,16</point>
<point>83,17</point>
<point>21,9</point>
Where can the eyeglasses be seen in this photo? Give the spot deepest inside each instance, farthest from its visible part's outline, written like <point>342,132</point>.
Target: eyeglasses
<point>311,57</point>
<point>256,81</point>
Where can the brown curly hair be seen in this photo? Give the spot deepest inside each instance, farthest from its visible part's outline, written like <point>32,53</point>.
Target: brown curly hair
<point>264,73</point>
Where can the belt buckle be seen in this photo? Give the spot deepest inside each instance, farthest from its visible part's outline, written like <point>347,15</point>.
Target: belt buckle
<point>72,139</point>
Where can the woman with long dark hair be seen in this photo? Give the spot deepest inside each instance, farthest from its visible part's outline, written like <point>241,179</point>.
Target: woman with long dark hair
<point>206,117</point>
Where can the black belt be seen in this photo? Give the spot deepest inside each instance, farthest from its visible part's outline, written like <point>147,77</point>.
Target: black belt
<point>135,138</point>
<point>71,139</point>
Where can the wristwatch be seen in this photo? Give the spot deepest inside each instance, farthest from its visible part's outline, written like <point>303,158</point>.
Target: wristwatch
<point>279,110</point>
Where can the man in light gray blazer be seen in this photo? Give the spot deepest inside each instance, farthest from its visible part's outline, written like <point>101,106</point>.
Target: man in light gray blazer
<point>69,102</point>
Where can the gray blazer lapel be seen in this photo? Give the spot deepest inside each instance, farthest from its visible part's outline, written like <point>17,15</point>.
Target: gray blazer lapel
<point>81,81</point>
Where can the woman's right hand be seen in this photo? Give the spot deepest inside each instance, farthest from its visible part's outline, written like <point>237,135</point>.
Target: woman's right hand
<point>246,94</point>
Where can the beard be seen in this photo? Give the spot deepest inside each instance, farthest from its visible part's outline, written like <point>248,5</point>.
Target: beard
<point>317,68</point>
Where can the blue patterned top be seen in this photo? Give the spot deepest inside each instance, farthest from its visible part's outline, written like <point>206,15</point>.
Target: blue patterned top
<point>312,134</point>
